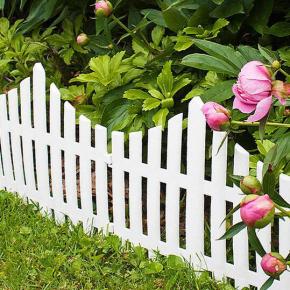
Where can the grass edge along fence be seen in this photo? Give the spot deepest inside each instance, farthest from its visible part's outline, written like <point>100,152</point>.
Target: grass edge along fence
<point>33,158</point>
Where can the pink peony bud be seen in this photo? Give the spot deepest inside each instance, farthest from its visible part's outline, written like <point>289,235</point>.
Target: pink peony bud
<point>281,91</point>
<point>257,211</point>
<point>253,90</point>
<point>82,39</point>
<point>250,185</point>
<point>103,8</point>
<point>273,264</point>
<point>217,117</point>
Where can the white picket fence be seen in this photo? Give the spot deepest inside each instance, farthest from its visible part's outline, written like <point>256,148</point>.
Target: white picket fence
<point>32,161</point>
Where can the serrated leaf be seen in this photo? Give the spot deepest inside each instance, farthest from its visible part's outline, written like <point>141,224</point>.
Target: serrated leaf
<point>150,103</point>
<point>165,80</point>
<point>134,94</point>
<point>156,94</point>
<point>157,34</point>
<point>159,118</point>
<point>233,230</point>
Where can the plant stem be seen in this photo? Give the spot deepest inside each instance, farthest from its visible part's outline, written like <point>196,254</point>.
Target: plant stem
<point>136,38</point>
<point>284,73</point>
<point>285,212</point>
<point>255,124</point>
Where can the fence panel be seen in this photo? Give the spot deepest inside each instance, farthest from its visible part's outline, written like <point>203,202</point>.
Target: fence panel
<point>25,168</point>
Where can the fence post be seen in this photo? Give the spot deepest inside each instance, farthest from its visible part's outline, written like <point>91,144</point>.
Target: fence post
<point>196,130</point>
<point>218,203</point>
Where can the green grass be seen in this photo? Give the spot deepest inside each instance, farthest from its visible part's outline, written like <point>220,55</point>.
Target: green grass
<point>35,253</point>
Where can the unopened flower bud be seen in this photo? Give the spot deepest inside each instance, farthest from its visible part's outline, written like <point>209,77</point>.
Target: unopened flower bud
<point>217,117</point>
<point>82,39</point>
<point>273,264</point>
<point>250,185</point>
<point>257,211</point>
<point>276,64</point>
<point>287,112</point>
<point>103,8</point>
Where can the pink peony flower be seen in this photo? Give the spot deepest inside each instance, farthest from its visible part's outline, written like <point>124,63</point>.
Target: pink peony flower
<point>82,39</point>
<point>257,211</point>
<point>253,90</point>
<point>273,264</point>
<point>217,117</point>
<point>104,8</point>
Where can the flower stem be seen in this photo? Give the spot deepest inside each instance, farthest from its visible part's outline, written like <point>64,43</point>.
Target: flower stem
<point>284,73</point>
<point>283,211</point>
<point>136,38</point>
<point>255,124</point>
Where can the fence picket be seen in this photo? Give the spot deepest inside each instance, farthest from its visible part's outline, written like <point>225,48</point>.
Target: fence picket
<point>70,162</point>
<point>174,140</point>
<point>195,172</point>
<point>135,184</point>
<point>15,141</point>
<point>240,241</point>
<point>55,152</point>
<point>41,154</point>
<point>85,172</point>
<point>264,234</point>
<point>153,186</point>
<point>19,177</point>
<point>118,183</point>
<point>218,202</point>
<point>25,97</point>
<point>284,228</point>
<point>5,146</point>
<point>101,177</point>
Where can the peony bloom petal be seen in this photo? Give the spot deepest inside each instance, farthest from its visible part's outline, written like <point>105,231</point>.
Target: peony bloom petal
<point>262,109</point>
<point>243,107</point>
<point>255,70</point>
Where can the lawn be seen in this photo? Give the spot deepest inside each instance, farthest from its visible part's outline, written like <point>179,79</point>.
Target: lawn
<point>35,253</point>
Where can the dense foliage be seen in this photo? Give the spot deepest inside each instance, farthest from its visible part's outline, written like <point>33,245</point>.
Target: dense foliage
<point>134,64</point>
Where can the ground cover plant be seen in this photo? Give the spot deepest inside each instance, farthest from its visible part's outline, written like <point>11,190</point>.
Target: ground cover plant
<point>131,65</point>
<point>35,253</point>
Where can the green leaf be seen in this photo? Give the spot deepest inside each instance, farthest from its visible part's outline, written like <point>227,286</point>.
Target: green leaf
<point>157,34</point>
<point>153,268</point>
<point>267,284</point>
<point>284,54</point>
<point>279,29</point>
<point>250,53</point>
<point>165,80</point>
<point>134,94</point>
<point>231,212</point>
<point>175,262</point>
<point>183,42</point>
<point>179,84</point>
<point>255,242</point>
<point>236,179</point>
<point>233,230</point>
<point>156,94</point>
<point>264,146</point>
<point>220,92</point>
<point>262,126</point>
<point>193,93</point>
<point>269,183</point>
<point>2,4</point>
<point>260,15</point>
<point>269,55</point>
<point>159,118</point>
<point>223,52</point>
<point>155,16</point>
<point>150,103</point>
<point>228,8</point>
<point>209,63</point>
<point>174,19</point>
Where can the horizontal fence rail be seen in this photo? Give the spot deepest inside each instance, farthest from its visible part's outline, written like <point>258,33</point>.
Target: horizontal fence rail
<point>46,160</point>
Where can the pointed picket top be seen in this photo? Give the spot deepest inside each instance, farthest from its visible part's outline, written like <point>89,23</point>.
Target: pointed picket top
<point>69,107</point>
<point>196,102</point>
